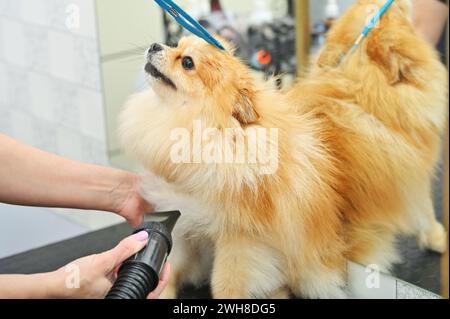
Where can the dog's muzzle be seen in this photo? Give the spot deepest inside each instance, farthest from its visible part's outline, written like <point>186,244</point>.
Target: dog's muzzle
<point>155,53</point>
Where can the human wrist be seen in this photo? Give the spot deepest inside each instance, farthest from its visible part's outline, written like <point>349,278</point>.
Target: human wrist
<point>49,285</point>
<point>122,187</point>
<point>52,285</point>
<point>110,188</point>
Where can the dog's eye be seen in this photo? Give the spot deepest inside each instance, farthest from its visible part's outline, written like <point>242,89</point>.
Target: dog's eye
<point>188,63</point>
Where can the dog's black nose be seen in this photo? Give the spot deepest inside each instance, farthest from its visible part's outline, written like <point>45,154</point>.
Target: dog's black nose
<point>155,47</point>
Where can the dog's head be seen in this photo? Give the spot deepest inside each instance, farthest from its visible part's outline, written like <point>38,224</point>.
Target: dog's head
<point>197,72</point>
<point>392,46</point>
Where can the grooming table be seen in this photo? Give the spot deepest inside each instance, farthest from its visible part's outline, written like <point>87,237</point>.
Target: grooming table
<point>422,268</point>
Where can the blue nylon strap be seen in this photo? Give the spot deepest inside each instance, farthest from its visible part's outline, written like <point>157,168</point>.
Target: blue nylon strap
<point>377,17</point>
<point>188,22</point>
<point>373,22</point>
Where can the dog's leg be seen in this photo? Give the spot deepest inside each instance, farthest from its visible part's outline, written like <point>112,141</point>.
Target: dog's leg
<point>321,282</point>
<point>433,235</point>
<point>246,268</point>
<point>317,276</point>
<point>422,221</point>
<point>373,245</point>
<point>190,263</point>
<point>435,238</point>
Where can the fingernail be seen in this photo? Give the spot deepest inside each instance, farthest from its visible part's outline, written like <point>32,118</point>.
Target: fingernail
<point>141,236</point>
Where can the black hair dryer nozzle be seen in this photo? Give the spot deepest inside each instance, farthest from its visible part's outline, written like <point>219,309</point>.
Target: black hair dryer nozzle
<point>139,275</point>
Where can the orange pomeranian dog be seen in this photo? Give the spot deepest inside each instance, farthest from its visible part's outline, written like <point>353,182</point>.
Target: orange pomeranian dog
<point>278,190</point>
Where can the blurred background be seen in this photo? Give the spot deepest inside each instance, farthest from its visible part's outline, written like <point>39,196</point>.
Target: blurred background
<point>68,66</point>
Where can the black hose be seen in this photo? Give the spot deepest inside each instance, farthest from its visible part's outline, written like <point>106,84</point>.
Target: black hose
<point>139,275</point>
<point>134,281</point>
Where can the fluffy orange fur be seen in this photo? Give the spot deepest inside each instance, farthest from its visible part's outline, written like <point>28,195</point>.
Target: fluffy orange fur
<point>358,145</point>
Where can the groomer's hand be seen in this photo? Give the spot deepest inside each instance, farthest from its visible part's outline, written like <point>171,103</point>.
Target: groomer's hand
<point>92,277</point>
<point>129,202</point>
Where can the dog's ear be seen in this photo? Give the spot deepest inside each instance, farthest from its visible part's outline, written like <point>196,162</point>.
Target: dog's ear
<point>330,56</point>
<point>244,107</point>
<point>397,55</point>
<point>230,48</point>
<point>339,39</point>
<point>395,47</point>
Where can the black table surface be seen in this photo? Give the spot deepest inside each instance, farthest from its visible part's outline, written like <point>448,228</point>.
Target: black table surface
<point>421,268</point>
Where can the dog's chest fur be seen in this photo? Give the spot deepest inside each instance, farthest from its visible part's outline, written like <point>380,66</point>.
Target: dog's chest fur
<point>196,220</point>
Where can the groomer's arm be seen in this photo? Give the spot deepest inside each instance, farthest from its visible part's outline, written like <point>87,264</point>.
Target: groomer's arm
<point>39,286</point>
<point>430,17</point>
<point>32,177</point>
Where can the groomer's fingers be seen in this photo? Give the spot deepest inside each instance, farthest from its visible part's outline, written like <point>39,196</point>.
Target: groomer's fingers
<point>125,249</point>
<point>163,280</point>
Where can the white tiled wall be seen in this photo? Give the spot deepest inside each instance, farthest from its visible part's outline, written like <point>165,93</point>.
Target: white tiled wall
<point>50,89</point>
<point>50,85</point>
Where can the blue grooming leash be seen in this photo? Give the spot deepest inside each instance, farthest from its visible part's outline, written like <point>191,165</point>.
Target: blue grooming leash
<point>188,22</point>
<point>368,28</point>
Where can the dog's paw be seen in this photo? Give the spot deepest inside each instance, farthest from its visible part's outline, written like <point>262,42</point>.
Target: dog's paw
<point>435,239</point>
